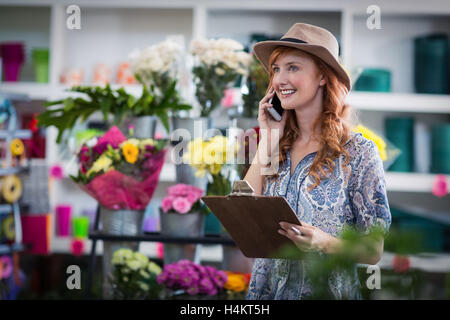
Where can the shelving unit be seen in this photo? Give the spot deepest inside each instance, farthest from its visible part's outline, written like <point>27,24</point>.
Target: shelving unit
<point>112,29</point>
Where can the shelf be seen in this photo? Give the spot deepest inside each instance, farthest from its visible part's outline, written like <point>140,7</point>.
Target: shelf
<point>156,237</point>
<point>400,102</point>
<point>411,182</point>
<point>9,248</point>
<point>370,101</point>
<point>20,134</point>
<point>61,245</point>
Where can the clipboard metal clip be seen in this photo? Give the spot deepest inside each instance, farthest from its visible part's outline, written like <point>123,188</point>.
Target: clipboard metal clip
<point>242,188</point>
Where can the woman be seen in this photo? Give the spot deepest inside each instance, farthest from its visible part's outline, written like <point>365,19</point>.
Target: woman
<point>330,176</point>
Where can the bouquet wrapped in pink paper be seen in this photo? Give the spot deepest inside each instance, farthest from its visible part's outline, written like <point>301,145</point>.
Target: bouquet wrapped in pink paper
<point>121,173</point>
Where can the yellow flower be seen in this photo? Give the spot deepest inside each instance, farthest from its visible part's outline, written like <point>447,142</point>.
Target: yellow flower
<point>235,283</point>
<point>368,134</point>
<point>130,152</point>
<point>103,163</point>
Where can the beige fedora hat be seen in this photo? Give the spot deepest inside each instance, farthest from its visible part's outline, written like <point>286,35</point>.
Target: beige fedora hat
<point>314,40</point>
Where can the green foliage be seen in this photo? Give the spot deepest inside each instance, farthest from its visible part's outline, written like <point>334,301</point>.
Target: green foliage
<point>211,84</point>
<point>354,245</point>
<point>257,83</point>
<point>116,103</point>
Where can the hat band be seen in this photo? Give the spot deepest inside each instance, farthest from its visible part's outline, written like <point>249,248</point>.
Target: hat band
<point>293,40</point>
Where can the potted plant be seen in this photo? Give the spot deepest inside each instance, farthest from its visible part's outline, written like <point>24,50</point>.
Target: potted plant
<point>159,97</point>
<point>209,158</point>
<point>181,215</point>
<point>155,68</point>
<point>218,64</point>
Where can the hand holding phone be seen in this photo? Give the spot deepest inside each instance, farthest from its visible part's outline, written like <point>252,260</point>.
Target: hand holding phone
<point>277,110</point>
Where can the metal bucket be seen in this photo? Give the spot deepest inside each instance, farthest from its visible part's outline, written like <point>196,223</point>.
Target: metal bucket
<point>181,225</point>
<point>118,222</point>
<point>233,258</point>
<point>145,127</point>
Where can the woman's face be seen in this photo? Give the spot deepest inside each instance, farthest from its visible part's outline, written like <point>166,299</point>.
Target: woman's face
<point>296,79</point>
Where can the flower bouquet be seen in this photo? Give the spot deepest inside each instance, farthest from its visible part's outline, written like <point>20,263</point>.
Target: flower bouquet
<point>219,63</point>
<point>187,277</point>
<point>120,173</point>
<point>134,276</point>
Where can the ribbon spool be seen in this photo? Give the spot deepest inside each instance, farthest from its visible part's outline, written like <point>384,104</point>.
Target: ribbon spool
<point>11,188</point>
<point>8,229</point>
<point>17,147</point>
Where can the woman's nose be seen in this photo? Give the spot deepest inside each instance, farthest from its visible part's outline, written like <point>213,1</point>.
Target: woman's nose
<point>280,78</point>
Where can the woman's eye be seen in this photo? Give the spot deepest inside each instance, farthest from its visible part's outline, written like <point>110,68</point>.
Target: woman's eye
<point>293,68</point>
<point>275,69</point>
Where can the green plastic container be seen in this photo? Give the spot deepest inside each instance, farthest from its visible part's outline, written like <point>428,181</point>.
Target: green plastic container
<point>40,62</point>
<point>376,80</point>
<point>80,226</point>
<point>431,55</point>
<point>432,234</point>
<point>440,149</point>
<point>400,132</point>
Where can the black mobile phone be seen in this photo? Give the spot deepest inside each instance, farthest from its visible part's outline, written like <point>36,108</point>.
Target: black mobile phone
<point>276,111</point>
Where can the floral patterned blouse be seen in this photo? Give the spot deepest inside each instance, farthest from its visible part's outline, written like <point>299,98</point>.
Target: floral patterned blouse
<point>362,203</point>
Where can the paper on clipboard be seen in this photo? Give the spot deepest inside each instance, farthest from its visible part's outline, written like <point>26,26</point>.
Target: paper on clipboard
<point>253,220</point>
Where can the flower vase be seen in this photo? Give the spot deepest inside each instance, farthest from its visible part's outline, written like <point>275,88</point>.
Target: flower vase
<point>193,126</point>
<point>145,126</point>
<point>181,225</point>
<point>220,186</point>
<point>121,223</point>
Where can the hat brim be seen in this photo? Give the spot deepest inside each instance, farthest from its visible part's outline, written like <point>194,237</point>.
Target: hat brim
<point>264,49</point>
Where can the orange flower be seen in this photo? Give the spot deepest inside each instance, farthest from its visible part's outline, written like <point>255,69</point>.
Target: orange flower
<point>236,282</point>
<point>130,152</point>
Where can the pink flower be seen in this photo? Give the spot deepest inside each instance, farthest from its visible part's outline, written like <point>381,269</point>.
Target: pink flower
<point>56,172</point>
<point>77,247</point>
<point>166,203</point>
<point>181,205</point>
<point>440,186</point>
<point>114,137</point>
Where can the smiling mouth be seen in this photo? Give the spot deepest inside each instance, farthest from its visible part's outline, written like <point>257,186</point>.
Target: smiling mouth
<point>287,93</point>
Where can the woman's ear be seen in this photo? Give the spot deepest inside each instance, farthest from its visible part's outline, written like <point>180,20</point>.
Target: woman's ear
<point>323,81</point>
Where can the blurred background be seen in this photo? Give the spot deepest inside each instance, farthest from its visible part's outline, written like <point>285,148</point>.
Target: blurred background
<point>397,53</point>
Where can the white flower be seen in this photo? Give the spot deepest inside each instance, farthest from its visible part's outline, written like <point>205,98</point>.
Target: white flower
<point>133,265</point>
<point>219,71</point>
<point>154,268</point>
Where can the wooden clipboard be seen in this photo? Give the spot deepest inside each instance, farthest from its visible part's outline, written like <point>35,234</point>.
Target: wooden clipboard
<point>253,221</point>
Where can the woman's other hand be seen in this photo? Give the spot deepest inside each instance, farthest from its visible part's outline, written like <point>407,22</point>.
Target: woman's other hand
<point>310,238</point>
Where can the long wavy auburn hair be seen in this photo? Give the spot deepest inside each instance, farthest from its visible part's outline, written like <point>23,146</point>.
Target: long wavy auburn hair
<point>335,121</point>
